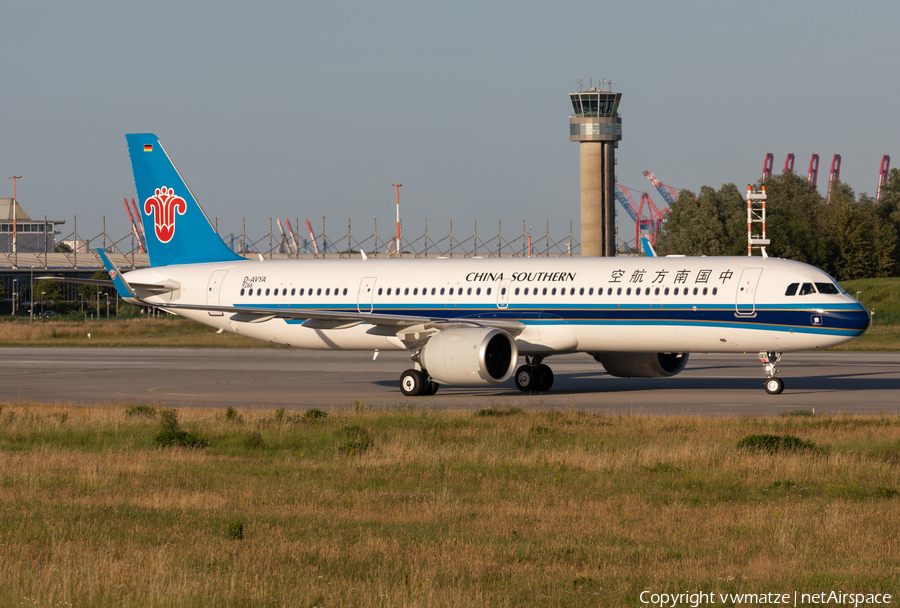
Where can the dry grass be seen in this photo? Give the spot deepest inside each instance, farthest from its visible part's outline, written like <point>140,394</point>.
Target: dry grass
<point>443,509</point>
<point>171,332</point>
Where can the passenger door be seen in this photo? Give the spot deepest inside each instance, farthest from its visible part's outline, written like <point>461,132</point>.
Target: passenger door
<point>503,294</point>
<point>745,299</point>
<point>214,291</point>
<point>366,295</point>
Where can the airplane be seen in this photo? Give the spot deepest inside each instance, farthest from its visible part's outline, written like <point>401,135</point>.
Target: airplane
<point>480,321</point>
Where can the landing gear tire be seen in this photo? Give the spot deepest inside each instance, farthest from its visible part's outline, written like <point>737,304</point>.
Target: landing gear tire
<point>525,378</point>
<point>545,375</point>
<point>412,381</point>
<point>774,386</point>
<point>431,388</point>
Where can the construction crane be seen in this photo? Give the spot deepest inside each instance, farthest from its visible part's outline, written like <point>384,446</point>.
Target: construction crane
<point>883,176</point>
<point>641,225</point>
<point>789,164</point>
<point>813,172</point>
<point>835,175</point>
<point>767,166</point>
<point>668,193</point>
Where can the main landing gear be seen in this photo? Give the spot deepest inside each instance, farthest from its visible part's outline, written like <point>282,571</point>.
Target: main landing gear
<point>774,385</point>
<point>534,376</point>
<point>415,383</point>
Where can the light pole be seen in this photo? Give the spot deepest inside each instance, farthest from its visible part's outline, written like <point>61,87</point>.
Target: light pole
<point>15,294</point>
<point>106,295</point>
<point>42,305</point>
<point>397,186</point>
<point>857,295</point>
<point>15,178</point>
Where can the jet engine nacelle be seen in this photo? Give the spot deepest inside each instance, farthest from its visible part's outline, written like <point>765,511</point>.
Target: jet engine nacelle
<point>642,365</point>
<point>470,356</point>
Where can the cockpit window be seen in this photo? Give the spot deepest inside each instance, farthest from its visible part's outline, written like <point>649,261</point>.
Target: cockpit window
<point>792,289</point>
<point>807,289</point>
<point>829,288</point>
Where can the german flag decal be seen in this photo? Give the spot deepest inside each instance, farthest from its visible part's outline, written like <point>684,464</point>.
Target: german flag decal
<point>148,147</point>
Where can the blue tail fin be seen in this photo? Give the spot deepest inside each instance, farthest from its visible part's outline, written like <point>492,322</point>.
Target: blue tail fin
<point>178,231</point>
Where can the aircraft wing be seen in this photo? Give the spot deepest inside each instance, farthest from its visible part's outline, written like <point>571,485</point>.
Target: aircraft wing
<point>111,284</point>
<point>329,319</point>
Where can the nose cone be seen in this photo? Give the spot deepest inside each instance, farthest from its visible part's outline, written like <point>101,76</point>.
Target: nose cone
<point>854,319</point>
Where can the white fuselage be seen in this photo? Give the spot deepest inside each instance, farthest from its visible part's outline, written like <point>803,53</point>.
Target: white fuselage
<point>627,304</point>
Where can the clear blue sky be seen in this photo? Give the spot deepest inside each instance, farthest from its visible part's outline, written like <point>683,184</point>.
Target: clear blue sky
<point>304,109</point>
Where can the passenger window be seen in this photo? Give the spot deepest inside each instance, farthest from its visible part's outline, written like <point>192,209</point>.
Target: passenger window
<point>301,291</point>
<point>554,291</point>
<point>618,291</point>
<point>828,288</point>
<point>488,292</point>
<point>328,291</point>
<point>242,292</point>
<point>581,291</point>
<point>503,291</point>
<point>389,291</point>
<point>628,291</point>
<point>442,291</point>
<point>319,291</point>
<point>695,291</point>
<point>517,290</point>
<point>807,289</point>
<point>345,291</point>
<point>637,291</point>
<point>715,290</point>
<point>433,291</point>
<point>478,291</point>
<point>609,291</point>
<point>267,291</point>
<point>591,291</point>
<point>451,291</point>
<point>676,291</point>
<point>293,291</point>
<point>656,293</point>
<point>406,291</point>
<point>379,291</point>
<point>792,289</point>
<point>526,291</point>
<point>469,291</point>
<point>666,292</point>
<point>704,291</point>
<point>545,291</point>
<point>415,291</point>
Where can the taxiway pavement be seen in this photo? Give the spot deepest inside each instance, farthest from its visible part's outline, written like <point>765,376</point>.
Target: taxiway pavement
<point>711,385</point>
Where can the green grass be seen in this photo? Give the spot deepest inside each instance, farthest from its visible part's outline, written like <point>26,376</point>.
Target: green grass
<point>882,295</point>
<point>415,507</point>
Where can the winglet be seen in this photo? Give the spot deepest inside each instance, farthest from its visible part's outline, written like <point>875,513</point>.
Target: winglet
<point>648,248</point>
<point>122,286</point>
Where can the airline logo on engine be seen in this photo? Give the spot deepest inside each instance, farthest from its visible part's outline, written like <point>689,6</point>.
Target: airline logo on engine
<point>164,206</point>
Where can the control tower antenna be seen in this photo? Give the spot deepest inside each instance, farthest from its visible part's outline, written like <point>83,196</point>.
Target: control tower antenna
<point>597,126</point>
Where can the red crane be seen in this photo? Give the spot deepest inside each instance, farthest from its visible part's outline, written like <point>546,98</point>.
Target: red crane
<point>835,175</point>
<point>883,176</point>
<point>789,164</point>
<point>813,172</point>
<point>767,166</point>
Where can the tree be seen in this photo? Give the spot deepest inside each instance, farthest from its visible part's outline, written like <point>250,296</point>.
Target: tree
<point>62,248</point>
<point>862,242</point>
<point>90,292</point>
<point>795,218</point>
<point>711,224</point>
<point>48,291</point>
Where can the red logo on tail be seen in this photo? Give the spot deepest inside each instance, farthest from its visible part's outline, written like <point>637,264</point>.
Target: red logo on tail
<point>163,205</point>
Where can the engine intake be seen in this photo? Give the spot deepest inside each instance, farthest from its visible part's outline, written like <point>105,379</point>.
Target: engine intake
<point>642,365</point>
<point>470,356</point>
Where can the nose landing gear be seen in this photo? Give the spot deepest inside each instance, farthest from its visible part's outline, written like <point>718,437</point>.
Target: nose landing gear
<point>774,385</point>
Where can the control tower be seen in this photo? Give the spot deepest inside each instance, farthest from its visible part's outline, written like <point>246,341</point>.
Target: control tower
<point>597,125</point>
